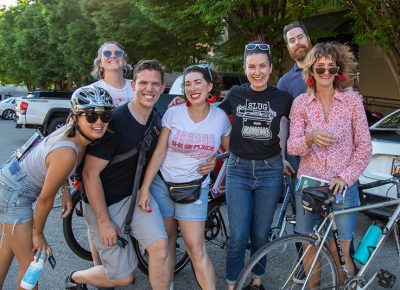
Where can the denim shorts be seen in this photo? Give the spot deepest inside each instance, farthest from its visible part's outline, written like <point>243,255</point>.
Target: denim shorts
<point>305,221</point>
<point>195,211</point>
<point>17,194</point>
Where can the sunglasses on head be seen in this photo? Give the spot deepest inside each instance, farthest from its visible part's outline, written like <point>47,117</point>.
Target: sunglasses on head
<point>92,117</point>
<point>332,70</point>
<point>109,53</point>
<point>253,46</point>
<point>204,66</point>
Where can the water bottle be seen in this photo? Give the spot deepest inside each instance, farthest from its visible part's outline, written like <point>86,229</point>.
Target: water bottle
<point>368,243</point>
<point>32,274</point>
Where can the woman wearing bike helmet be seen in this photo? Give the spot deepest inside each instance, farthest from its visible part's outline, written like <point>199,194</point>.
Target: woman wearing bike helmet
<point>36,174</point>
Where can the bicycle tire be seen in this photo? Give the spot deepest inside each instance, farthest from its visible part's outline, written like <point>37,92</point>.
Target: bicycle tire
<point>215,227</point>
<point>282,257</point>
<point>75,229</point>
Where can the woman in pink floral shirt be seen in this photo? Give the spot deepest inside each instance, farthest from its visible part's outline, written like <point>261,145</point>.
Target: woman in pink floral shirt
<point>329,130</point>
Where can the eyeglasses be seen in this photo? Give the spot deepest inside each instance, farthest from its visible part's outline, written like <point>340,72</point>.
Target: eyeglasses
<point>109,53</point>
<point>253,46</point>
<point>92,117</point>
<point>204,66</point>
<point>332,70</point>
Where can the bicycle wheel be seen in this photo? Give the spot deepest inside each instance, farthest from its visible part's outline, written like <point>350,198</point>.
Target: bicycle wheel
<point>215,227</point>
<point>75,229</point>
<point>283,265</point>
<point>182,258</point>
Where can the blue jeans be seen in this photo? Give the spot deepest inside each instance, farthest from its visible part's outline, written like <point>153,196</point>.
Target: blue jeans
<point>253,188</point>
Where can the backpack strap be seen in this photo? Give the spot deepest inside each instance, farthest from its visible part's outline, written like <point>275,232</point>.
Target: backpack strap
<point>151,133</point>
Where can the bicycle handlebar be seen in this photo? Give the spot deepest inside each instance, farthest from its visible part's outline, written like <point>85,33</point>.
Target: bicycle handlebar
<point>222,155</point>
<point>395,180</point>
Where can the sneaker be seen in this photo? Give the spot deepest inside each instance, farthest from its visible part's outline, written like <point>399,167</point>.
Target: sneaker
<point>72,285</point>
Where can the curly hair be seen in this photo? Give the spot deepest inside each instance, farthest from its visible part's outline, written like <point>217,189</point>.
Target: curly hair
<point>341,54</point>
<point>210,75</point>
<point>96,71</point>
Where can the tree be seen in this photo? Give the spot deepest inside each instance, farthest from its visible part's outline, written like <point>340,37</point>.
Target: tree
<point>378,21</point>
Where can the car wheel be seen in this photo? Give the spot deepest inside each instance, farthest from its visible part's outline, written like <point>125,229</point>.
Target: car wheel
<point>55,124</point>
<point>8,114</point>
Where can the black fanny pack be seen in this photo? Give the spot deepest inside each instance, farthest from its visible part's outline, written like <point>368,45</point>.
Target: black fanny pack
<point>187,192</point>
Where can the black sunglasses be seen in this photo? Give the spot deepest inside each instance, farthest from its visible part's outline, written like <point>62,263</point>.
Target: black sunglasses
<point>253,46</point>
<point>332,70</point>
<point>92,117</point>
<point>109,53</point>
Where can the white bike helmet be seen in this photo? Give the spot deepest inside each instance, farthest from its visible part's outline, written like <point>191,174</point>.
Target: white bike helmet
<point>91,98</point>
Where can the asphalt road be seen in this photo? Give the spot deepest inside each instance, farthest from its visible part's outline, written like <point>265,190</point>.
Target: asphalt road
<point>67,261</point>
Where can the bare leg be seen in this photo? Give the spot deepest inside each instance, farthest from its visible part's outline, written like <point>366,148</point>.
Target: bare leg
<point>6,254</point>
<point>315,277</point>
<point>171,228</point>
<point>193,235</point>
<point>97,277</point>
<point>20,241</point>
<point>159,265</point>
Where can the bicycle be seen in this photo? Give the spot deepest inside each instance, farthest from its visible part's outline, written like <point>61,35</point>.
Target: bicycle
<point>75,227</point>
<point>285,263</point>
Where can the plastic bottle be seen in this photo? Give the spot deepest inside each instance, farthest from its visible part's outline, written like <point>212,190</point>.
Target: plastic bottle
<point>368,243</point>
<point>32,274</point>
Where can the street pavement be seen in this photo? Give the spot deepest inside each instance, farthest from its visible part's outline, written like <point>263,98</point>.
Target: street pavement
<point>67,261</point>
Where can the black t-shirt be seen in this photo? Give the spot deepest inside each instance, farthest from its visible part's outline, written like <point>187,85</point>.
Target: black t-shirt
<point>117,179</point>
<point>257,116</point>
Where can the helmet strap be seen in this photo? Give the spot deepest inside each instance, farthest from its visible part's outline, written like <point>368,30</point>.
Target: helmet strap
<point>83,134</point>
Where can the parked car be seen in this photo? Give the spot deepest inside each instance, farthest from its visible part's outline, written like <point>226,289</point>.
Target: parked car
<point>385,136</point>
<point>7,110</point>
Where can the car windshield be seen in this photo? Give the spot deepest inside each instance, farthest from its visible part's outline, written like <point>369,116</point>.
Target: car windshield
<point>390,122</point>
<point>388,129</point>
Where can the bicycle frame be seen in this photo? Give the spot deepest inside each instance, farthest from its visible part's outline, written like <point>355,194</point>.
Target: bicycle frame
<point>329,223</point>
<point>289,197</point>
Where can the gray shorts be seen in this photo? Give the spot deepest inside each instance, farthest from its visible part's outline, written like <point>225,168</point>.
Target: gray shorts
<point>17,194</point>
<point>147,228</point>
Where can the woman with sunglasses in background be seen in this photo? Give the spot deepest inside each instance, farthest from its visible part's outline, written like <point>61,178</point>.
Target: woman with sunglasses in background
<point>109,68</point>
<point>329,130</point>
<point>35,173</point>
<point>254,177</point>
<point>191,134</point>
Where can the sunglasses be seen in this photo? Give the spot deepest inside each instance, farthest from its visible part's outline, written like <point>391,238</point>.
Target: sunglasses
<point>205,66</point>
<point>92,117</point>
<point>332,70</point>
<point>253,46</point>
<point>109,53</point>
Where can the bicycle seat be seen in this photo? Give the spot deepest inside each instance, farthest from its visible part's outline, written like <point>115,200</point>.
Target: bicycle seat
<point>316,199</point>
<point>321,193</point>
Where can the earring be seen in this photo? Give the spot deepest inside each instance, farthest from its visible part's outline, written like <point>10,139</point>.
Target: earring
<point>342,77</point>
<point>101,72</point>
<point>125,71</point>
<point>211,99</point>
<point>188,103</point>
<point>310,81</point>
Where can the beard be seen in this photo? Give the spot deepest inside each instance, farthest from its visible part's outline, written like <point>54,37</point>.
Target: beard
<point>299,53</point>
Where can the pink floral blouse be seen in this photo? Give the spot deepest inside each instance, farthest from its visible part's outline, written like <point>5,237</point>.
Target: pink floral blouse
<point>349,156</point>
